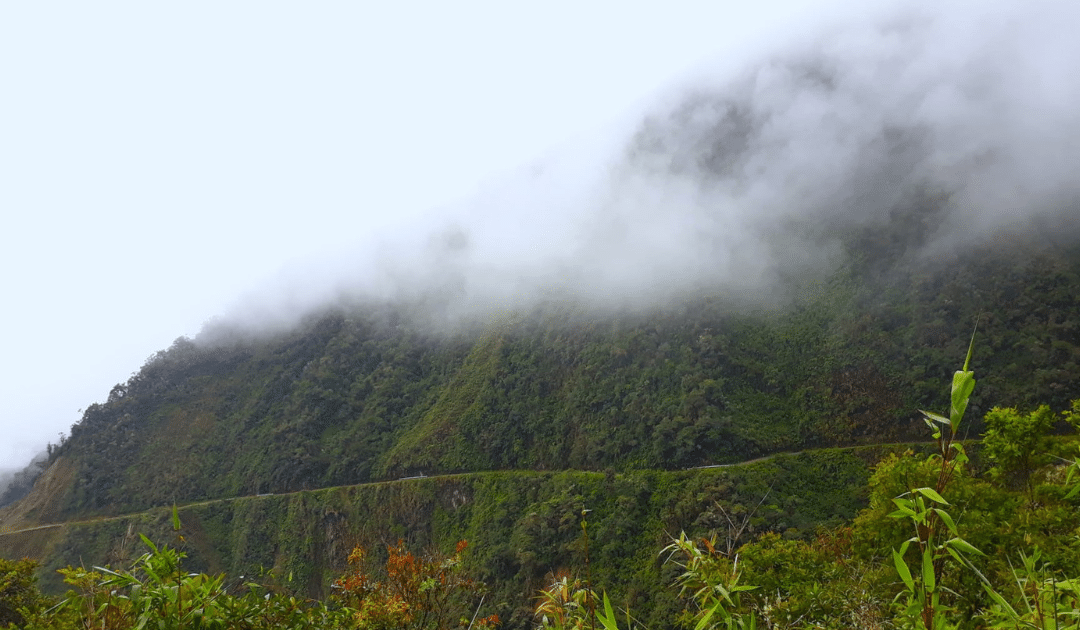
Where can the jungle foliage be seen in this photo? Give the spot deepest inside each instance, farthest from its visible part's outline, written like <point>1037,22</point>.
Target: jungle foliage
<point>943,544</point>
<point>521,526</point>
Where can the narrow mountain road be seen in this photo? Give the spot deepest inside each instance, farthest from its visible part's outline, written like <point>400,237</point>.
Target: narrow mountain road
<point>102,519</point>
<point>31,529</point>
<point>747,462</point>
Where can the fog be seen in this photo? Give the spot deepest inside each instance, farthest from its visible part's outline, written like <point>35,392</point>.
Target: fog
<point>736,178</point>
<point>157,161</point>
<point>15,484</point>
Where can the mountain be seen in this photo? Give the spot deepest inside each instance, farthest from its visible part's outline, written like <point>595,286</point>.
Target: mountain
<point>786,258</point>
<point>359,394</point>
<point>772,279</point>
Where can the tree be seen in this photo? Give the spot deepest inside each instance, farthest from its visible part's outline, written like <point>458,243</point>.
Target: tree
<point>1015,442</point>
<point>19,594</point>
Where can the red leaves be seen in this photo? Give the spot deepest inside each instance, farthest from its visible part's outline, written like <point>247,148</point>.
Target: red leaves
<point>427,592</point>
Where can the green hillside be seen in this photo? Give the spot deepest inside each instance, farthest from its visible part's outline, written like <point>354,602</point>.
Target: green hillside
<point>521,525</point>
<point>357,395</point>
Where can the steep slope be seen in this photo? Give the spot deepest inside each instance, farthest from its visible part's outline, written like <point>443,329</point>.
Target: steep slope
<point>357,395</point>
<point>793,256</point>
<point>520,525</point>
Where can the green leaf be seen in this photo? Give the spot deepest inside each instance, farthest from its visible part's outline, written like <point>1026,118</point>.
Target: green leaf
<point>902,569</point>
<point>1068,479</point>
<point>707,617</point>
<point>175,519</point>
<point>608,616</point>
<point>963,545</point>
<point>971,345</point>
<point>932,494</point>
<point>719,588</point>
<point>956,555</point>
<point>947,519</point>
<point>902,513</point>
<point>935,417</point>
<point>928,569</point>
<point>1000,601</point>
<point>963,385</point>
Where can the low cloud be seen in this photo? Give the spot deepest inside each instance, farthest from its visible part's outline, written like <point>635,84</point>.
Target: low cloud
<point>735,182</point>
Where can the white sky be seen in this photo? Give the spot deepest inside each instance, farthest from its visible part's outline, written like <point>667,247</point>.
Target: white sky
<point>159,160</point>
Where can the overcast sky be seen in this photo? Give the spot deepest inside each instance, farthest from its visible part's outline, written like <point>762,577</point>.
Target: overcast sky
<point>160,160</point>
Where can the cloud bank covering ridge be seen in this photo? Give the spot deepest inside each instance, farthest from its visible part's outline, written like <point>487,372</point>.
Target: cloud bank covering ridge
<point>730,181</point>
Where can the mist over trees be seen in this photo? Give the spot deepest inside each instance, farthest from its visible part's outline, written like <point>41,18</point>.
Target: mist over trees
<point>17,484</point>
<point>949,122</point>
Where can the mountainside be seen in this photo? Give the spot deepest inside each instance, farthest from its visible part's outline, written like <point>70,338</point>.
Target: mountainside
<point>357,394</point>
<point>787,257</point>
<point>521,526</point>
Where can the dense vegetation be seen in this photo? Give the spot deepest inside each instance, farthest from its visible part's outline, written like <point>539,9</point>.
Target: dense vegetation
<point>991,553</point>
<point>520,525</point>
